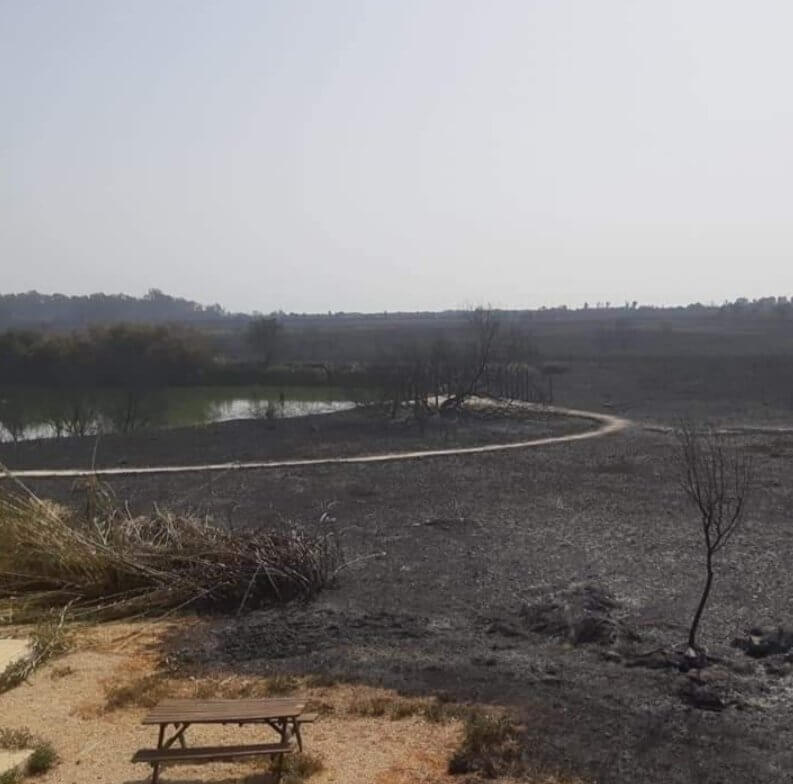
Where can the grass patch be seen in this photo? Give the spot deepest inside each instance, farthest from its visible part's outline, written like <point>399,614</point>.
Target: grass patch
<point>104,563</point>
<point>16,739</point>
<point>144,692</point>
<point>398,708</point>
<point>404,709</point>
<point>41,760</point>
<point>489,747</point>
<point>278,685</point>
<point>321,680</point>
<point>299,767</point>
<point>370,706</point>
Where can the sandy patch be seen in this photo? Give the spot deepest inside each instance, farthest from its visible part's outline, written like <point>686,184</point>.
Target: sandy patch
<point>64,703</point>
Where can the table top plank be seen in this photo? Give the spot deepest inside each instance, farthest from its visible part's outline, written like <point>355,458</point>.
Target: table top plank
<point>177,711</point>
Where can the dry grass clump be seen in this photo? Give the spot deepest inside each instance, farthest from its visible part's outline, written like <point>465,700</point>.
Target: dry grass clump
<point>106,563</point>
<point>143,692</point>
<point>146,691</point>
<point>397,708</point>
<point>299,767</point>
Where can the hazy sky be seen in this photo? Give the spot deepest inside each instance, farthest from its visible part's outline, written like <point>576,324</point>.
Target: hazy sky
<point>392,154</point>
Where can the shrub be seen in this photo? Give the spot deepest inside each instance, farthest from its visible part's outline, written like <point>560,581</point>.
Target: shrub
<point>42,759</point>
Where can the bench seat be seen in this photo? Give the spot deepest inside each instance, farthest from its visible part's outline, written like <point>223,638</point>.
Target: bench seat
<point>307,718</point>
<point>207,753</point>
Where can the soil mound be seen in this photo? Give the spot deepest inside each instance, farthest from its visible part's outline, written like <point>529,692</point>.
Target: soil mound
<point>581,614</point>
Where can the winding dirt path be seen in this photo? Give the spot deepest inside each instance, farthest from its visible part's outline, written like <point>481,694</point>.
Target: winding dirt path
<point>608,424</point>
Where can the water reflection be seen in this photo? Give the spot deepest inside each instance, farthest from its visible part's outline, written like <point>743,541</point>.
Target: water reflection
<point>30,417</point>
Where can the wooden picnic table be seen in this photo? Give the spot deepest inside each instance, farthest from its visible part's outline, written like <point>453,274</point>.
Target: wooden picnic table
<point>281,714</point>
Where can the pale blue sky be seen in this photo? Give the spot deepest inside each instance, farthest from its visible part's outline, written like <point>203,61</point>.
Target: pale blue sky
<point>393,154</point>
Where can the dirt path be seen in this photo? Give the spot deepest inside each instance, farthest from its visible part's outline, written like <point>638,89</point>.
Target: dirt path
<point>608,424</point>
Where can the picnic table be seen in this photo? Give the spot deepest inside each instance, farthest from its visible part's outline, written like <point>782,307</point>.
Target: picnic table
<point>283,715</point>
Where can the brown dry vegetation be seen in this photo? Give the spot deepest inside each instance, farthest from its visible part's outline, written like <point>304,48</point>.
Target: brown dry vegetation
<point>103,562</point>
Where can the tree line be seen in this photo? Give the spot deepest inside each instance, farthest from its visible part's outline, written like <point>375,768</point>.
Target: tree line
<point>59,311</point>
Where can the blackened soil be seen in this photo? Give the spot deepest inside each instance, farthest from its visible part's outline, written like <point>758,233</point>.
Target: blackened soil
<point>460,567</point>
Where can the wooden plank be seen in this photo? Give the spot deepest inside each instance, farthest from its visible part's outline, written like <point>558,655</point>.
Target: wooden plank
<point>307,718</point>
<point>214,711</point>
<point>205,753</point>
<point>223,710</point>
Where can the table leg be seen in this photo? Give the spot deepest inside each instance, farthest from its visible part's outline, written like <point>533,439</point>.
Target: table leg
<point>178,735</point>
<point>296,730</point>
<point>155,773</point>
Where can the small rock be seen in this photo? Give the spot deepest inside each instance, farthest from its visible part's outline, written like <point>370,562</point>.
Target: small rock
<point>760,643</point>
<point>709,675</point>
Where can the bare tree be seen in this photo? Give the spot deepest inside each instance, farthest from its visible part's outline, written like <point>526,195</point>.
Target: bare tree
<point>483,325</point>
<point>716,477</point>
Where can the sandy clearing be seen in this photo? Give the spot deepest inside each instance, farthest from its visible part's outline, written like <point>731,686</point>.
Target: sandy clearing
<point>12,651</point>
<point>95,746</point>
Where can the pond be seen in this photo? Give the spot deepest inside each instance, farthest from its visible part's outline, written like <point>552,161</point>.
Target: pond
<point>42,413</point>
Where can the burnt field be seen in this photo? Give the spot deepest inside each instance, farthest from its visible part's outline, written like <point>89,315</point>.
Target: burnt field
<point>558,581</point>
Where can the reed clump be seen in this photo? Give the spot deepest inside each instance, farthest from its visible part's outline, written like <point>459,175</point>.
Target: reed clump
<point>103,562</point>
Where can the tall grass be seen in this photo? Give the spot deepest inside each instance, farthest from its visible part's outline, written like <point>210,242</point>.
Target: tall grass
<point>102,562</point>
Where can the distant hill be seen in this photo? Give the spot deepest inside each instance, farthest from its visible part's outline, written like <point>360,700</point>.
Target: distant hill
<point>33,310</point>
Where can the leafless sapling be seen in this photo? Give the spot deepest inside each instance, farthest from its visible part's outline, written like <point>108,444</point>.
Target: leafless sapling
<point>716,477</point>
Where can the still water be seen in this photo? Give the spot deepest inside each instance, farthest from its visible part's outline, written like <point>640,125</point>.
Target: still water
<point>38,413</point>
